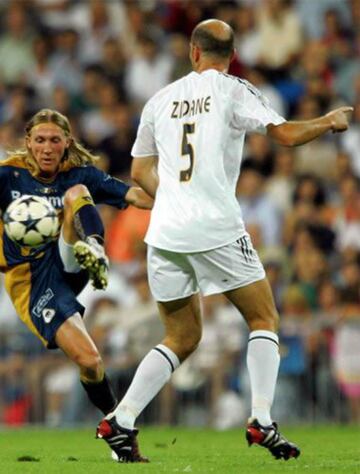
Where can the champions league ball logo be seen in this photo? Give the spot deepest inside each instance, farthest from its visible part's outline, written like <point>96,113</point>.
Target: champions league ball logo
<point>31,221</point>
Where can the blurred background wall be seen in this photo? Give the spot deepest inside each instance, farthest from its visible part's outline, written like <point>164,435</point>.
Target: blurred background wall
<point>98,61</point>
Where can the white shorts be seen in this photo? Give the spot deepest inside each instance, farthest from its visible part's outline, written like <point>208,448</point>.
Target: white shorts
<point>67,256</point>
<point>175,275</point>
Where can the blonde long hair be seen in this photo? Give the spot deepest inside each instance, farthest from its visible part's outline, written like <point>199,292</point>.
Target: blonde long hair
<point>75,155</point>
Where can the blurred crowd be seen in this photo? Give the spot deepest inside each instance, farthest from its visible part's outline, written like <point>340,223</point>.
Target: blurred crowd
<point>98,61</point>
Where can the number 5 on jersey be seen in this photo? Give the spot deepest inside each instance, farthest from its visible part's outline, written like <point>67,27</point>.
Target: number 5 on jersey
<point>187,149</point>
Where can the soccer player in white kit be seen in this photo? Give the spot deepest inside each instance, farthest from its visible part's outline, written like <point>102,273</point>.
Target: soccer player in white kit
<point>187,155</point>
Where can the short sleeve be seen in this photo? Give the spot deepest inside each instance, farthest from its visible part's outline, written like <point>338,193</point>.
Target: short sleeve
<point>104,188</point>
<point>145,144</point>
<point>252,111</point>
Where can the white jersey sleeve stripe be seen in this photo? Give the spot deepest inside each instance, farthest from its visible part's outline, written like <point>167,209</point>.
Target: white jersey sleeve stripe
<point>252,109</point>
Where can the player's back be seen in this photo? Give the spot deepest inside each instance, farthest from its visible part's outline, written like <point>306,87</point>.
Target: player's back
<point>199,161</point>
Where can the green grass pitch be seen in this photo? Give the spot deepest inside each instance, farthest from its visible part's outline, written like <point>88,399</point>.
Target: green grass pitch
<point>325,449</point>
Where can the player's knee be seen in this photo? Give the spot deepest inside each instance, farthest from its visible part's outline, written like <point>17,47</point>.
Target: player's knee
<point>186,345</point>
<point>74,193</point>
<point>188,348</point>
<point>268,321</point>
<point>195,341</point>
<point>276,320</point>
<point>89,362</point>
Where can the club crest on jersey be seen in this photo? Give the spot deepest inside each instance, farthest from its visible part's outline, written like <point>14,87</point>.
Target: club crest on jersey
<point>46,190</point>
<point>15,194</point>
<point>48,314</point>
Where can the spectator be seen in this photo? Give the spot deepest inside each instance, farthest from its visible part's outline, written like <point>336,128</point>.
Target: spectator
<point>179,50</point>
<point>293,336</point>
<point>351,143</point>
<point>347,351</point>
<point>98,124</point>
<point>256,206</point>
<point>15,44</point>
<point>347,220</point>
<point>323,150</point>
<point>281,183</point>
<point>87,98</point>
<point>118,145</point>
<point>7,139</point>
<point>40,76</point>
<point>150,63</point>
<point>113,64</point>
<point>278,25</point>
<point>126,236</point>
<point>259,151</point>
<point>349,273</point>
<point>246,35</point>
<point>18,107</point>
<point>336,37</point>
<point>312,13</point>
<point>65,62</point>
<point>98,24</point>
<point>310,267</point>
<point>54,14</point>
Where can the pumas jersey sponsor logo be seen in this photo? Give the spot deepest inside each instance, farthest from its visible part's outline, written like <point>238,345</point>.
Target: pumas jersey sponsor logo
<point>55,201</point>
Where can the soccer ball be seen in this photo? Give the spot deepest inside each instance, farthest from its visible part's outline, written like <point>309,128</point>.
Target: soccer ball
<point>31,221</point>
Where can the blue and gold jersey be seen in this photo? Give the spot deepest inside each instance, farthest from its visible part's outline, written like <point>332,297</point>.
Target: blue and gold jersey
<point>16,180</point>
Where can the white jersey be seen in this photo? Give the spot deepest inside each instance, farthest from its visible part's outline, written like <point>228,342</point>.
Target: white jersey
<point>196,126</point>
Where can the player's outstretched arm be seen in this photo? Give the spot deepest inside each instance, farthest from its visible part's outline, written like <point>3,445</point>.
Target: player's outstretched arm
<point>297,133</point>
<point>144,173</point>
<point>139,198</point>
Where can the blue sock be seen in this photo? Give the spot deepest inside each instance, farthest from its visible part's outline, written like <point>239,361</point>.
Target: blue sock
<point>87,220</point>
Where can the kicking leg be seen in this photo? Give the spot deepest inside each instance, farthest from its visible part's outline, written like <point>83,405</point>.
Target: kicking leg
<point>82,221</point>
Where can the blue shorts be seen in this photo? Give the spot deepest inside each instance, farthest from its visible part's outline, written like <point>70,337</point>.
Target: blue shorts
<point>44,295</point>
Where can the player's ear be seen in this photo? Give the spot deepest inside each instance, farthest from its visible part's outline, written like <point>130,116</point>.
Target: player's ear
<point>69,142</point>
<point>191,47</point>
<point>27,142</point>
<point>194,53</point>
<point>197,53</point>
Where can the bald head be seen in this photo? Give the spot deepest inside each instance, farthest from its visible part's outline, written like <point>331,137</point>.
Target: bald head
<point>214,37</point>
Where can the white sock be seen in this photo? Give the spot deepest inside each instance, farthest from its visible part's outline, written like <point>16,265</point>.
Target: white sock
<point>263,361</point>
<point>152,374</point>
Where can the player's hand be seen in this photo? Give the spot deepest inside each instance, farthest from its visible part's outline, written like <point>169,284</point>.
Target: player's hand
<point>339,118</point>
<point>139,198</point>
